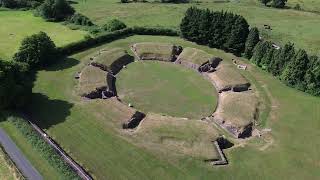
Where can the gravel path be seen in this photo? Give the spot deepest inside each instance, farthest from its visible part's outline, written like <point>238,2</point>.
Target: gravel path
<point>18,158</point>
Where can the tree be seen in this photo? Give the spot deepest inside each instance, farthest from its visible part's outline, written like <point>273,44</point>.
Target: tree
<point>55,10</point>
<point>222,30</point>
<point>265,2</point>
<point>260,51</point>
<point>15,84</point>
<point>279,3</point>
<point>252,40</point>
<point>36,50</point>
<point>296,69</point>
<point>239,34</point>
<point>114,25</point>
<point>282,58</point>
<point>312,77</point>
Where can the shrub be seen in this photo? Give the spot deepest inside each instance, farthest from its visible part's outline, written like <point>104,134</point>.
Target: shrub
<point>279,3</point>
<point>114,25</point>
<point>36,50</point>
<point>20,3</point>
<point>80,19</point>
<point>110,36</point>
<point>55,10</point>
<point>124,1</point>
<point>297,7</point>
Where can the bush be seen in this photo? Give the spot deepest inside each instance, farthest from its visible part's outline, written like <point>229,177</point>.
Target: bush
<point>110,36</point>
<point>80,19</point>
<point>16,84</point>
<point>297,7</point>
<point>114,25</point>
<point>55,10</point>
<point>36,50</point>
<point>20,3</point>
<point>44,150</point>
<point>124,1</point>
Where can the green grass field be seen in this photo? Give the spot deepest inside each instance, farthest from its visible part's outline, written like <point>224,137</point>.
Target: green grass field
<point>15,25</point>
<point>166,88</point>
<point>87,130</point>
<point>298,27</point>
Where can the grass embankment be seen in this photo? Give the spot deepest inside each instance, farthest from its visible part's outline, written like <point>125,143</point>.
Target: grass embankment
<point>166,88</point>
<point>16,25</point>
<point>8,170</point>
<point>86,130</point>
<point>42,156</point>
<point>298,27</point>
<point>40,163</point>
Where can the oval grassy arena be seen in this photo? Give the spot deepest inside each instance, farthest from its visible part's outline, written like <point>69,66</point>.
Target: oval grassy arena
<point>166,88</point>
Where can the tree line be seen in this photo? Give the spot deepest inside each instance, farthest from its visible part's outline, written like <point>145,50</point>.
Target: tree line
<point>231,33</point>
<point>222,30</point>
<point>292,66</point>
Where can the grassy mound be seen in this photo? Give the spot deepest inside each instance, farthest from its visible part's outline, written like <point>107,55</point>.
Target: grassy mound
<point>92,79</point>
<point>195,56</point>
<point>176,135</point>
<point>154,51</point>
<point>227,77</point>
<point>112,60</point>
<point>166,88</point>
<point>237,110</point>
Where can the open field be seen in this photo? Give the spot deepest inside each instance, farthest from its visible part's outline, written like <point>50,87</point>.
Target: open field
<point>18,24</point>
<point>87,129</point>
<point>166,88</point>
<point>6,171</point>
<point>298,27</point>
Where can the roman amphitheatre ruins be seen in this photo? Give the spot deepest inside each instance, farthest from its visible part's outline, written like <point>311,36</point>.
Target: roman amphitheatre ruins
<point>113,75</point>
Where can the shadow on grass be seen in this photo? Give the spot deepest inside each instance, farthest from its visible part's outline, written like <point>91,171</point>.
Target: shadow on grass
<point>63,63</point>
<point>47,112</point>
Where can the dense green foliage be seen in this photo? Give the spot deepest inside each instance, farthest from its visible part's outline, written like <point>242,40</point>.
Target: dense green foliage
<point>44,149</point>
<point>222,30</point>
<point>13,4</point>
<point>110,36</point>
<point>265,2</point>
<point>36,50</point>
<point>294,68</point>
<point>15,84</point>
<point>55,10</point>
<point>80,19</point>
<point>252,40</point>
<point>114,25</point>
<point>279,3</point>
<point>275,3</point>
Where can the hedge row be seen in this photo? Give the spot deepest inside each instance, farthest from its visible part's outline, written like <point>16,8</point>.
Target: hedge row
<point>111,36</point>
<point>45,150</point>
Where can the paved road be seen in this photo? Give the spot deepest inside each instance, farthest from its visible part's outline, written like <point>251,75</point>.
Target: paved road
<point>18,158</point>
